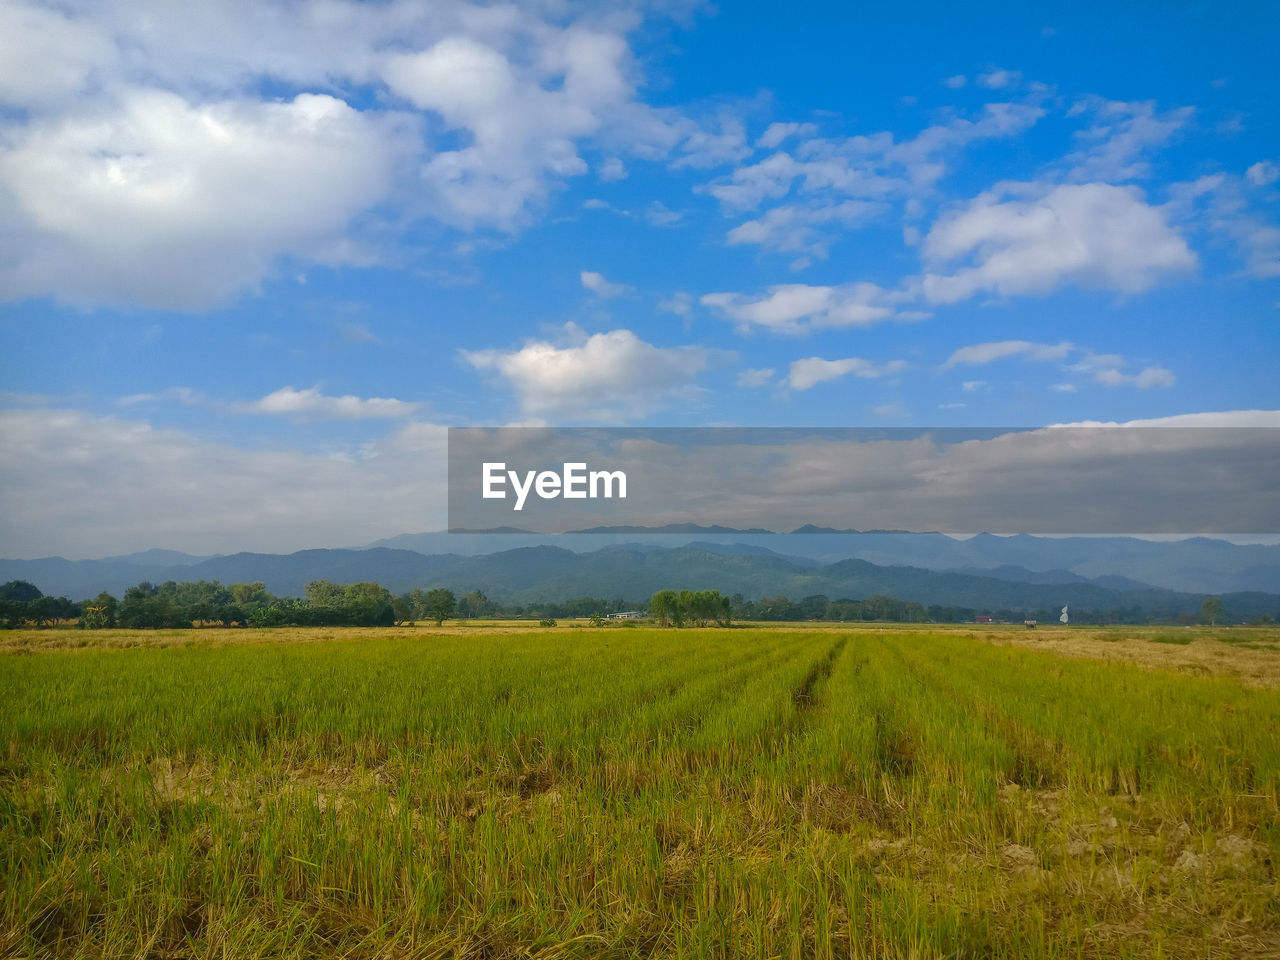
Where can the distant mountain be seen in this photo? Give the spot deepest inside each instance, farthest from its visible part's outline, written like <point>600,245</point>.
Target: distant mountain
<point>159,558</point>
<point>630,572</point>
<point>675,528</point>
<point>1196,565</point>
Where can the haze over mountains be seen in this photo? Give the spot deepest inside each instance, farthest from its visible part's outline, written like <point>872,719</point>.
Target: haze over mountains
<point>1021,572</point>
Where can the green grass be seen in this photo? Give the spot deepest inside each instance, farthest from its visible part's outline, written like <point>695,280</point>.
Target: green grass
<point>605,793</point>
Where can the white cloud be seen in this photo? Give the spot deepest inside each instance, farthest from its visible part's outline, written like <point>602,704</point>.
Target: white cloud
<point>793,229</point>
<point>658,214</point>
<point>142,164</point>
<point>777,132</point>
<point>613,169</point>
<point>1262,173</point>
<point>1113,148</point>
<point>869,167</point>
<point>755,378</point>
<point>183,395</point>
<point>953,405</point>
<point>524,114</point>
<point>81,485</point>
<point>680,303</point>
<point>798,308</point>
<point>1222,204</point>
<point>981,353</point>
<point>1251,419</point>
<point>1145,379</point>
<point>1105,368</point>
<point>169,204</point>
<point>358,333</point>
<point>47,56</point>
<point>311,404</point>
<point>1031,239</point>
<point>597,284</point>
<point>811,371</point>
<point>702,147</point>
<point>973,386</point>
<point>955,82</point>
<point>606,376</point>
<point>891,411</point>
<point>999,79</point>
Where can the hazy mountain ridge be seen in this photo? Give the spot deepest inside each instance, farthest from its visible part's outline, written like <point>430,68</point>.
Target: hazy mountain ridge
<point>1192,565</point>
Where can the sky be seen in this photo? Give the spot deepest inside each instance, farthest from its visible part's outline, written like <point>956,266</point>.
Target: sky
<point>256,256</point>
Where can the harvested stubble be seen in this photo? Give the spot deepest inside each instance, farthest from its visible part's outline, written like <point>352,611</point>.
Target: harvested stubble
<point>728,793</point>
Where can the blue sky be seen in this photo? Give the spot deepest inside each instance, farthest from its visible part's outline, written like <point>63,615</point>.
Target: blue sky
<point>256,255</point>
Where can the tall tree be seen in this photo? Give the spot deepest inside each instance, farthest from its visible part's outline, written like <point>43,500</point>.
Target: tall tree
<point>439,605</point>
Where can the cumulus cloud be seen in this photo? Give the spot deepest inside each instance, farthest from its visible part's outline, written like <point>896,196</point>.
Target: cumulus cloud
<point>597,284</point>
<point>1031,239</point>
<point>1237,419</point>
<point>81,485</point>
<point>797,308</point>
<point>605,376</point>
<point>311,404</point>
<point>811,371</point>
<point>522,130</point>
<point>955,82</point>
<point>142,164</point>
<point>168,204</point>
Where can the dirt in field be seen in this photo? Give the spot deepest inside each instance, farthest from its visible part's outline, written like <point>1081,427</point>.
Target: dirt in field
<point>1249,655</point>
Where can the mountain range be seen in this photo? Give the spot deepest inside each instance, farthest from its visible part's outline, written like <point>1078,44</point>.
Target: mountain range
<point>968,574</point>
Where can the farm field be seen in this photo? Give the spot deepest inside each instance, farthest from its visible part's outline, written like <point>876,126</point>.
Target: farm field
<point>499,791</point>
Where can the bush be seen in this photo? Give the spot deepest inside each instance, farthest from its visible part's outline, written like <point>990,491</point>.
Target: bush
<point>546,622</point>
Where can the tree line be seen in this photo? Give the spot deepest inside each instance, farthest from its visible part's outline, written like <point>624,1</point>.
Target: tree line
<point>326,604</point>
<point>323,604</point>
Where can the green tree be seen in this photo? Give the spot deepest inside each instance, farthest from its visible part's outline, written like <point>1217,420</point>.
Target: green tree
<point>402,607</point>
<point>323,593</point>
<point>1211,610</point>
<point>439,605</point>
<point>21,591</point>
<point>663,606</point>
<point>473,604</point>
<point>99,613</point>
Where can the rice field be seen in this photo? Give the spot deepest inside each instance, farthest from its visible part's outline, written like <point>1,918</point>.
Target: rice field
<point>754,792</point>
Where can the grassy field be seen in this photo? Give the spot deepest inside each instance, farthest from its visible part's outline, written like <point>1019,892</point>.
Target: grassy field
<point>496,791</point>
